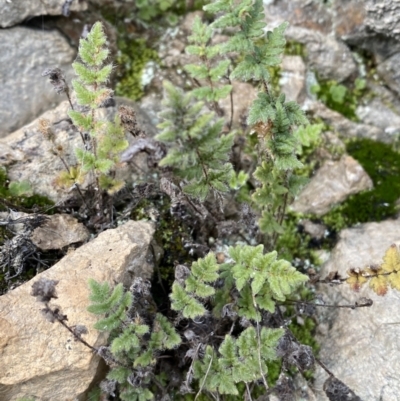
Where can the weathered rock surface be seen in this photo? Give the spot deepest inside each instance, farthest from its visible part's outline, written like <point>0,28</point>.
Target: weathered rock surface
<point>12,12</point>
<point>58,232</point>
<point>311,24</point>
<point>332,184</point>
<point>368,24</point>
<point>41,359</point>
<point>345,127</point>
<point>330,57</point>
<point>27,155</point>
<point>389,72</point>
<point>377,114</point>
<point>361,346</point>
<point>25,54</point>
<point>293,78</point>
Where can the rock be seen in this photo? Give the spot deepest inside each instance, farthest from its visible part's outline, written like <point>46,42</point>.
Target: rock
<point>361,346</point>
<point>312,15</point>
<point>331,58</point>
<point>12,12</point>
<point>41,359</point>
<point>332,184</point>
<point>26,54</point>
<point>27,155</point>
<point>58,232</point>
<point>368,24</point>
<point>389,72</point>
<point>293,78</point>
<point>311,24</point>
<point>345,127</point>
<point>243,96</point>
<point>377,114</point>
<point>314,230</point>
<point>384,17</point>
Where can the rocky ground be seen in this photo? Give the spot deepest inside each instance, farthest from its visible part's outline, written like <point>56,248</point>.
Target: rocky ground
<point>350,48</point>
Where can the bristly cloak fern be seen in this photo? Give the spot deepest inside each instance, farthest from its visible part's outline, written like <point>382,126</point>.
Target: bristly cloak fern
<point>103,140</point>
<point>200,153</point>
<point>135,344</point>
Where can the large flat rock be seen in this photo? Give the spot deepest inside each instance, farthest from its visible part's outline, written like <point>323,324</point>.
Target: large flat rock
<point>41,359</point>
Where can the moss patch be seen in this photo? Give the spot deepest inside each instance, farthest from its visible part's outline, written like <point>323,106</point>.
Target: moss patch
<point>382,164</point>
<point>339,97</point>
<point>134,55</point>
<point>294,48</point>
<point>18,194</point>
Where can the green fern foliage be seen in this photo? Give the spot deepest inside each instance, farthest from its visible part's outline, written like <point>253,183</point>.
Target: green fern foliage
<point>209,69</point>
<point>134,343</point>
<point>107,139</point>
<point>114,303</point>
<point>200,155</point>
<point>237,360</point>
<point>197,287</point>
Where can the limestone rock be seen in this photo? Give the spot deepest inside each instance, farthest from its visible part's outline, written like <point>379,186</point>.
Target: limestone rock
<point>41,359</point>
<point>27,155</point>
<point>378,114</point>
<point>58,232</point>
<point>345,127</point>
<point>243,96</point>
<point>25,54</point>
<point>13,12</point>
<point>388,71</point>
<point>372,25</point>
<point>311,24</point>
<point>293,77</point>
<point>361,346</point>
<point>325,54</point>
<point>332,184</point>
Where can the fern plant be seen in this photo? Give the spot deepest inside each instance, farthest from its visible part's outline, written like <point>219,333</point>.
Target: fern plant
<point>270,116</point>
<point>134,345</point>
<point>200,155</point>
<point>102,140</point>
<point>252,282</point>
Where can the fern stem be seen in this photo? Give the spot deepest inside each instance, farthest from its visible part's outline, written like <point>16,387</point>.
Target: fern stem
<point>204,379</point>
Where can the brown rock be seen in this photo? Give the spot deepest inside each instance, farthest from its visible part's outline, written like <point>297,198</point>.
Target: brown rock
<point>41,359</point>
<point>332,184</point>
<point>58,232</point>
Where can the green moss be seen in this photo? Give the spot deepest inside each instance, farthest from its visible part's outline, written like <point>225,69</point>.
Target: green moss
<point>294,48</point>
<point>382,164</point>
<point>19,194</point>
<point>170,235</point>
<point>339,97</point>
<point>292,243</point>
<point>132,59</point>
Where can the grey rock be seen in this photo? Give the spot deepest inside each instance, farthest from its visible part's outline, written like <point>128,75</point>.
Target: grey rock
<point>384,17</point>
<point>315,230</point>
<point>378,114</point>
<point>331,58</point>
<point>361,346</point>
<point>311,24</point>
<point>310,14</point>
<point>293,78</point>
<point>368,24</point>
<point>344,127</point>
<point>332,184</point>
<point>25,54</point>
<point>389,72</point>
<point>12,12</point>
<point>41,359</point>
<point>60,231</point>
<point>243,96</point>
<point>27,155</point>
